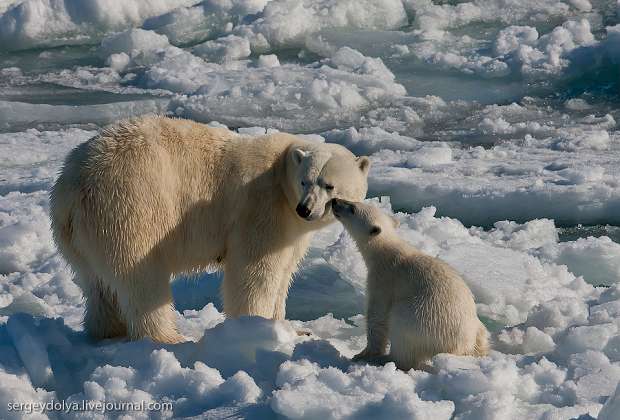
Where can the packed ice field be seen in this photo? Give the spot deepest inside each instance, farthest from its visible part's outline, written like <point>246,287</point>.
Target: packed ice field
<point>491,127</point>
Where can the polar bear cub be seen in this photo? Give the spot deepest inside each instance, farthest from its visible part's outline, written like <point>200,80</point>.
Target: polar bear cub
<point>416,301</point>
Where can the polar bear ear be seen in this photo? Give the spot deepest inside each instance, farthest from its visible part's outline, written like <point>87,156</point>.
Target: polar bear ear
<point>299,155</point>
<point>364,164</point>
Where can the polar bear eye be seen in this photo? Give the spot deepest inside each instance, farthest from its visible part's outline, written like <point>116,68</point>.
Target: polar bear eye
<point>303,183</point>
<point>329,187</point>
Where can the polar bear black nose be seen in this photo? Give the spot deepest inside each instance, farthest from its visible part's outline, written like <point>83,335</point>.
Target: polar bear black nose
<point>303,211</point>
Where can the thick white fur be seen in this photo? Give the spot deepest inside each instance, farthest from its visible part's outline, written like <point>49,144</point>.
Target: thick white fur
<point>155,196</point>
<point>417,302</point>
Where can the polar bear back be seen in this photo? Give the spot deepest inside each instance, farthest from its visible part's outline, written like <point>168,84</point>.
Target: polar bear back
<point>152,181</point>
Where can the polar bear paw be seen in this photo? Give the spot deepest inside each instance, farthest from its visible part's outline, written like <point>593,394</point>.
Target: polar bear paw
<point>370,356</point>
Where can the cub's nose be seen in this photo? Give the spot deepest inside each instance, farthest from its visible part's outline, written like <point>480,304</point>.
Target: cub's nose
<point>337,206</point>
<point>340,207</point>
<point>303,211</point>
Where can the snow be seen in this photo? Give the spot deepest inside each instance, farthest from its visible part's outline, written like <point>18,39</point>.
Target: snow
<point>337,92</point>
<point>516,180</point>
<point>288,22</point>
<point>134,42</point>
<point>594,258</point>
<point>206,20</point>
<point>268,60</point>
<point>364,392</point>
<point>611,409</point>
<point>58,22</point>
<point>228,48</point>
<point>6,4</point>
<point>19,115</point>
<point>491,126</point>
<point>555,332</point>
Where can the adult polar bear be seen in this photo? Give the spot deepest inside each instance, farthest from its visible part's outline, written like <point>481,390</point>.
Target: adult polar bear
<point>156,196</point>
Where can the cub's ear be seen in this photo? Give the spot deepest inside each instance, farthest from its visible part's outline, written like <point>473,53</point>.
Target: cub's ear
<point>299,155</point>
<point>364,164</point>
<point>375,230</point>
<point>396,222</point>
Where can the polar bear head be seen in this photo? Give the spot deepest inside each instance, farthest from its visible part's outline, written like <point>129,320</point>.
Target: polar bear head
<point>318,173</point>
<point>364,222</point>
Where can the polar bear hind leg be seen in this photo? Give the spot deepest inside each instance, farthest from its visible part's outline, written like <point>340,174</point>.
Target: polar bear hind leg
<point>102,317</point>
<point>147,307</point>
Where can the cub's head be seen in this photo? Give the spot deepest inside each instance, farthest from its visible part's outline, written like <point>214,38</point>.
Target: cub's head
<point>317,173</point>
<point>364,222</point>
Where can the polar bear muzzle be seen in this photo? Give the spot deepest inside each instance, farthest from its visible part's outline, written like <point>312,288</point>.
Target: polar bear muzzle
<point>310,206</point>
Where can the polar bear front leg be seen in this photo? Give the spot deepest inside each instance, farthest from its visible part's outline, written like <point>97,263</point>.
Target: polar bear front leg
<point>279,311</point>
<point>290,264</point>
<point>257,280</point>
<point>377,325</point>
<point>286,278</point>
<point>250,288</point>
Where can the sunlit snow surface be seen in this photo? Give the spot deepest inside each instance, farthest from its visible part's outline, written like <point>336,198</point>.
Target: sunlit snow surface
<point>473,113</point>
